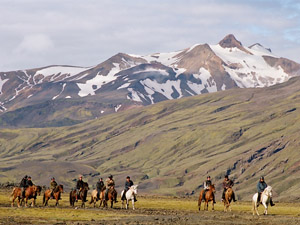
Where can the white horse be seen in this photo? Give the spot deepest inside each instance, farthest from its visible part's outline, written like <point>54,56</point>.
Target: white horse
<point>132,191</point>
<point>266,195</point>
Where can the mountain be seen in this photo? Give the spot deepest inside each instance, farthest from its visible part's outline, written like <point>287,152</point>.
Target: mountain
<point>128,81</point>
<point>170,147</point>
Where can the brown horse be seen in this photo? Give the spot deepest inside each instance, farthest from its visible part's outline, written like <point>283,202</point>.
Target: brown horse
<point>82,195</point>
<point>56,194</point>
<point>30,193</point>
<point>228,199</point>
<point>208,197</point>
<point>94,197</point>
<point>112,196</point>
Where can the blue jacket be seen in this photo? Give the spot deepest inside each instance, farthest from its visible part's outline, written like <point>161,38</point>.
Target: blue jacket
<point>261,186</point>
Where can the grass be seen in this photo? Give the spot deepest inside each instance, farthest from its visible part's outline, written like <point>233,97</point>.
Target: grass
<point>175,144</point>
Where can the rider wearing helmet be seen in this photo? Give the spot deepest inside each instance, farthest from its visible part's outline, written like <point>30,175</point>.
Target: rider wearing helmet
<point>206,185</point>
<point>261,186</point>
<point>128,184</point>
<point>79,186</point>
<point>100,186</point>
<point>227,183</point>
<point>109,183</point>
<point>23,185</point>
<point>53,185</point>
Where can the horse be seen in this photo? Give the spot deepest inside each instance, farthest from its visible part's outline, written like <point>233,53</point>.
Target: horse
<point>94,197</point>
<point>56,194</point>
<point>132,191</point>
<point>266,195</point>
<point>82,195</point>
<point>208,197</point>
<point>30,193</point>
<point>111,196</point>
<point>228,199</point>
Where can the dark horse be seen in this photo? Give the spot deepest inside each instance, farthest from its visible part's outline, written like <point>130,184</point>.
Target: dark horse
<point>56,194</point>
<point>208,197</point>
<point>111,196</point>
<point>82,195</point>
<point>30,193</point>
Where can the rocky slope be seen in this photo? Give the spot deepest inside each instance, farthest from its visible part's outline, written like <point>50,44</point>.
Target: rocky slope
<point>132,80</point>
<point>170,147</point>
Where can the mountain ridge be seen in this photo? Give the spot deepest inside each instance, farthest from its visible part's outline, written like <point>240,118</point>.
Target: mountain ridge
<point>144,80</point>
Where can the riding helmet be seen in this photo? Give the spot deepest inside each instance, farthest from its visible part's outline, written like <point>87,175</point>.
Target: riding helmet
<point>128,177</point>
<point>262,178</point>
<point>110,176</point>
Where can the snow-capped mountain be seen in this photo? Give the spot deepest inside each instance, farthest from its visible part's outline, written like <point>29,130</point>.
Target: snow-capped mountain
<point>201,68</point>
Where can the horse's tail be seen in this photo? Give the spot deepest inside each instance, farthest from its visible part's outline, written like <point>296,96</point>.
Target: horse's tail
<point>13,191</point>
<point>71,199</point>
<point>92,199</point>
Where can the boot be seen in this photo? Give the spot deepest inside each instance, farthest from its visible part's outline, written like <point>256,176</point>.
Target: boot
<point>214,200</point>
<point>135,200</point>
<point>233,197</point>
<point>271,202</point>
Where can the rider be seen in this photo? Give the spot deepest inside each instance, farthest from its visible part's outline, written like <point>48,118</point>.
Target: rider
<point>261,186</point>
<point>53,185</point>
<point>128,184</point>
<point>79,186</point>
<point>23,185</point>
<point>100,186</point>
<point>227,183</point>
<point>206,185</point>
<point>29,182</point>
<point>109,183</point>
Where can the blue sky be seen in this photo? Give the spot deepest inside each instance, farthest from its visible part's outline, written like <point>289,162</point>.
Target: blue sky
<point>36,33</point>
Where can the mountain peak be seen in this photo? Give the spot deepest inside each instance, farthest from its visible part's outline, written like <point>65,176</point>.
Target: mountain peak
<point>258,46</point>
<point>230,42</point>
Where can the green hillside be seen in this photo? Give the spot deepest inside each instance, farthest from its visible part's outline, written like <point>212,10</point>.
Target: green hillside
<point>170,147</point>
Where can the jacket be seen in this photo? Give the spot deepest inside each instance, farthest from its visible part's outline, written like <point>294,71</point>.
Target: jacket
<point>261,186</point>
<point>100,185</point>
<point>206,184</point>
<point>128,184</point>
<point>227,184</point>
<point>29,183</point>
<point>23,182</point>
<point>53,185</point>
<point>79,184</point>
<point>109,183</point>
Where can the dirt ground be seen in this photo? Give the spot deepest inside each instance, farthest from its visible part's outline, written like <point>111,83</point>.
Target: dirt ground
<point>153,216</point>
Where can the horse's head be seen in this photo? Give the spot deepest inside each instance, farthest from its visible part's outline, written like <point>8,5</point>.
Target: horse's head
<point>61,188</point>
<point>38,190</point>
<point>212,188</point>
<point>134,189</point>
<point>269,191</point>
<point>86,186</point>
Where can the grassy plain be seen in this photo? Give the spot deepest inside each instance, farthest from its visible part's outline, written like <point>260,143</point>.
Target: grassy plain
<point>149,210</point>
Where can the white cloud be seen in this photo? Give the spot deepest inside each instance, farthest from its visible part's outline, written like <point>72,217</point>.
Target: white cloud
<point>35,43</point>
<point>38,33</point>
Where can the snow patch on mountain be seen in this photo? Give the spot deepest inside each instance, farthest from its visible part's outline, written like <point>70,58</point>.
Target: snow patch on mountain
<point>2,82</point>
<point>249,70</point>
<point>90,86</point>
<point>207,82</point>
<point>166,89</point>
<point>54,70</point>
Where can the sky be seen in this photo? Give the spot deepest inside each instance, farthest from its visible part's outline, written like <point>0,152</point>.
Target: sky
<point>37,33</point>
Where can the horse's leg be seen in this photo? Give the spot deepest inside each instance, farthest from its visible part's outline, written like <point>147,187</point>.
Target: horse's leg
<point>255,207</point>
<point>212,204</point>
<point>133,204</point>
<point>12,202</point>
<point>266,207</point>
<point>111,203</point>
